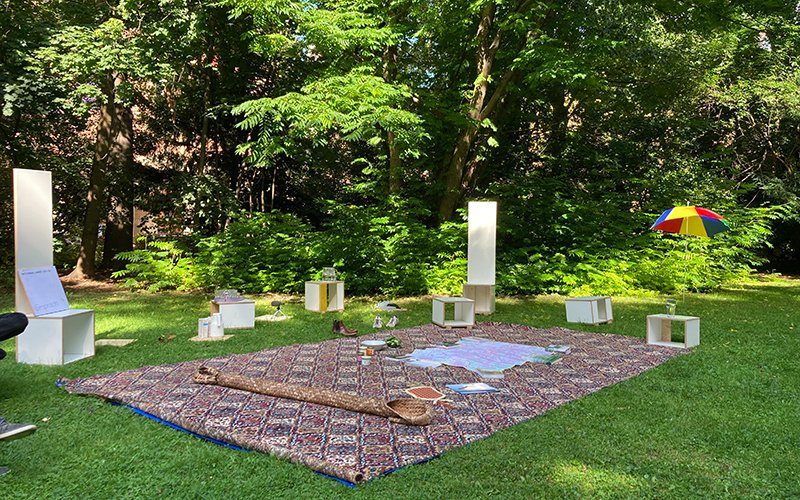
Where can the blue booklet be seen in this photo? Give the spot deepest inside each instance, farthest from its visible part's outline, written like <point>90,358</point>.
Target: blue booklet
<point>472,388</point>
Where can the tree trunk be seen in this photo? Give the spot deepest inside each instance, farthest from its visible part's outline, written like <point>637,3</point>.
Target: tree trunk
<point>558,123</point>
<point>395,165</point>
<point>201,164</point>
<point>454,173</point>
<point>119,223</point>
<point>458,175</point>
<point>96,200</point>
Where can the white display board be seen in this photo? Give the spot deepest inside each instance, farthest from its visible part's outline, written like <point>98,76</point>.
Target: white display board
<point>43,290</point>
<point>482,224</point>
<point>33,225</point>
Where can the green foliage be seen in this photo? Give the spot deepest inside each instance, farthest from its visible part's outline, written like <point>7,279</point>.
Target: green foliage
<point>389,250</point>
<point>257,253</point>
<point>386,251</point>
<point>159,265</point>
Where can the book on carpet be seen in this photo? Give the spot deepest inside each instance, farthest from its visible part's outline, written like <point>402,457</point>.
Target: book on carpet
<point>472,388</point>
<point>548,359</point>
<point>485,373</point>
<point>398,357</point>
<point>559,348</point>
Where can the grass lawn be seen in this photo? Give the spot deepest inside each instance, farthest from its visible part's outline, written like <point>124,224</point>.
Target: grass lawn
<point>723,421</point>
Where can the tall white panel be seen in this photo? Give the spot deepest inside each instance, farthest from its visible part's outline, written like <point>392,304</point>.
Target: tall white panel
<point>33,225</point>
<point>482,223</point>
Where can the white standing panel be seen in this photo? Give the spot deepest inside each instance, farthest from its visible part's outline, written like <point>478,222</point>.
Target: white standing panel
<point>482,224</point>
<point>33,225</point>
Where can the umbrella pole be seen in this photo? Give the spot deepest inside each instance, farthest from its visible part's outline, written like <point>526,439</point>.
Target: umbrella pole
<point>685,262</point>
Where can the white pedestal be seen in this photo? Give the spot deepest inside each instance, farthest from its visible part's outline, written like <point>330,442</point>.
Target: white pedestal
<point>481,242</point>
<point>463,314</point>
<point>483,295</point>
<point>589,310</point>
<point>324,296</point>
<point>239,314</point>
<point>57,338</point>
<point>659,330</point>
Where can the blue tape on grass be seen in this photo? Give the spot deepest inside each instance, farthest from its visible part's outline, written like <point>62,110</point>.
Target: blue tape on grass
<point>338,479</point>
<point>182,429</point>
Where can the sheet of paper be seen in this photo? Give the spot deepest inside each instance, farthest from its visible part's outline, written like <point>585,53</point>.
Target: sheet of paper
<point>44,290</point>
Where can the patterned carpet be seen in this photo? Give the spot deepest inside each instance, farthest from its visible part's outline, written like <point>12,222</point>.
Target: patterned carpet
<point>357,447</point>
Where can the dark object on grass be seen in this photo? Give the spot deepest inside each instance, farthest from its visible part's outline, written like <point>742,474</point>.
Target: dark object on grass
<point>278,313</point>
<point>340,328</point>
<point>401,411</point>
<point>11,325</point>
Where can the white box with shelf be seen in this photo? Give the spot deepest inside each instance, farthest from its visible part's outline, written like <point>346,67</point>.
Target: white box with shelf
<point>483,295</point>
<point>238,314</point>
<point>463,312</point>
<point>659,330</point>
<point>589,310</point>
<point>57,338</point>
<point>322,296</point>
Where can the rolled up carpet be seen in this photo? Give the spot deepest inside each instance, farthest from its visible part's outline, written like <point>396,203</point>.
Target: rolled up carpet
<point>402,411</point>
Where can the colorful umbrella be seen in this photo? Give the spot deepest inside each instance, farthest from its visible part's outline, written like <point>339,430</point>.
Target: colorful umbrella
<point>695,221</point>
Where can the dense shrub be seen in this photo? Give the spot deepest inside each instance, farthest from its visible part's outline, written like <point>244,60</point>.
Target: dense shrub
<point>159,265</point>
<point>390,251</point>
<point>257,253</point>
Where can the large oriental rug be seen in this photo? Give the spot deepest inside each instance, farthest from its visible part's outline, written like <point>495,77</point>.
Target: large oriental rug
<point>356,447</point>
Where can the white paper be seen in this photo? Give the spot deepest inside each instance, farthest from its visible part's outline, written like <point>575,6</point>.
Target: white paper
<point>44,290</point>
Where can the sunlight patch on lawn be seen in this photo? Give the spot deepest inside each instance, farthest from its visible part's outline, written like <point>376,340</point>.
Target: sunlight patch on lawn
<point>586,480</point>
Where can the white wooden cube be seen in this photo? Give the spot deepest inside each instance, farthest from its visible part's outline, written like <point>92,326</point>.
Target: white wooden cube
<point>463,312</point>
<point>589,310</point>
<point>659,330</point>
<point>483,295</point>
<point>239,314</point>
<point>57,338</point>
<point>324,296</point>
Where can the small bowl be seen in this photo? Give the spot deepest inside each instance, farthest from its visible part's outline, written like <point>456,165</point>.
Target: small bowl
<point>378,345</point>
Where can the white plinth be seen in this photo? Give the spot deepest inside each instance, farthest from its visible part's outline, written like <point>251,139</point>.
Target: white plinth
<point>463,312</point>
<point>57,338</point>
<point>483,295</point>
<point>481,242</point>
<point>589,310</point>
<point>659,330</point>
<point>324,296</point>
<point>239,314</point>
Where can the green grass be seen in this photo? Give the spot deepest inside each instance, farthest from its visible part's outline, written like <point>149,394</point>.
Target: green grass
<point>720,422</point>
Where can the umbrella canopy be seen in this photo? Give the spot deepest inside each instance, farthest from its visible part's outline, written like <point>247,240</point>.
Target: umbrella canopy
<point>695,221</point>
